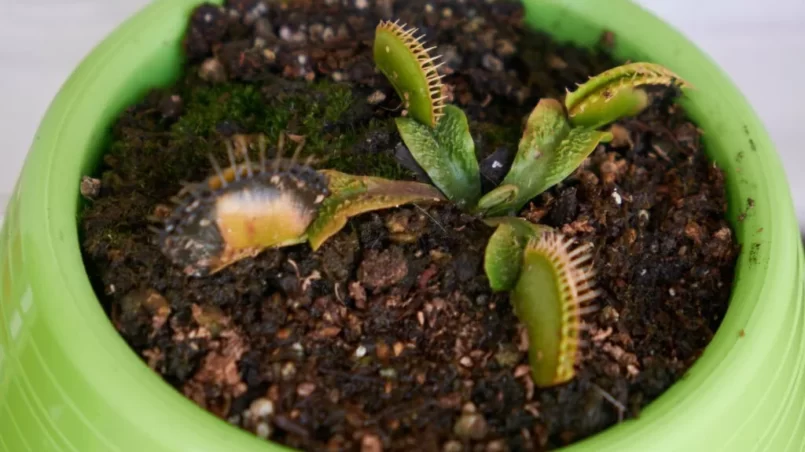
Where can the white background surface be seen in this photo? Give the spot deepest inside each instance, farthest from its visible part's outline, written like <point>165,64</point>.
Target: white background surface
<point>760,44</point>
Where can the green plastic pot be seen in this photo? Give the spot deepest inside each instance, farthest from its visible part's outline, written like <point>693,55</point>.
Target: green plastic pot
<point>68,382</point>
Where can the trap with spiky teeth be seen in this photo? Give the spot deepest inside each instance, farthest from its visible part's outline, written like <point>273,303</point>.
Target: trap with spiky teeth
<point>240,211</point>
<point>554,291</point>
<point>407,64</point>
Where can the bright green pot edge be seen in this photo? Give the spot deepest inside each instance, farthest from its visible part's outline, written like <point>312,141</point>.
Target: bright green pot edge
<point>68,382</point>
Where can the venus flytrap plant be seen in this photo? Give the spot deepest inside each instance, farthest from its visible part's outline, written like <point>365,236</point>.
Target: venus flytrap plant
<point>549,283</point>
<point>240,211</point>
<point>550,150</point>
<point>437,135</point>
<point>558,138</point>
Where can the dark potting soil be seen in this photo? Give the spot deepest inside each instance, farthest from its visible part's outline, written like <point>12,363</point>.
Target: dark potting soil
<point>388,337</point>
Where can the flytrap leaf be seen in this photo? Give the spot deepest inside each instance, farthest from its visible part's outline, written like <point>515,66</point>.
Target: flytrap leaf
<point>551,296</point>
<point>504,253</point>
<point>240,211</point>
<point>354,195</point>
<point>446,153</point>
<point>411,70</point>
<point>549,151</point>
<point>617,93</point>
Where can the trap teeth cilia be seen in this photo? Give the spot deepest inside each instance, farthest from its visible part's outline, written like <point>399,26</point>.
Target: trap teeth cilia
<point>413,73</point>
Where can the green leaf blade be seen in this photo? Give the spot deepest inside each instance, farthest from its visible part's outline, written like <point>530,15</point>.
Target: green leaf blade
<point>446,153</point>
<point>354,195</point>
<point>545,128</point>
<point>570,154</point>
<point>550,150</point>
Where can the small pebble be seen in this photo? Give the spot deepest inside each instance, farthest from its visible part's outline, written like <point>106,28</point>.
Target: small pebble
<point>360,352</point>
<point>258,10</point>
<point>296,37</point>
<point>617,197</point>
<point>316,31</point>
<point>376,97</point>
<point>471,426</point>
<point>288,370</point>
<point>298,348</point>
<point>285,33</point>
<point>212,70</point>
<point>452,446</point>
<point>505,48</point>
<point>451,56</point>
<point>305,389</point>
<point>371,443</point>
<point>492,62</point>
<point>261,408</point>
<point>643,215</point>
<point>610,314</point>
<point>263,430</point>
<point>90,187</point>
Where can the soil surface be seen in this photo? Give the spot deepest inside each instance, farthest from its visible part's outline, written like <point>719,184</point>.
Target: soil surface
<point>388,337</point>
